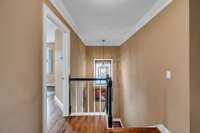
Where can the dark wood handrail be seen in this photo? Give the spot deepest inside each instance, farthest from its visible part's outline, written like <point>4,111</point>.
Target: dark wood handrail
<point>87,79</point>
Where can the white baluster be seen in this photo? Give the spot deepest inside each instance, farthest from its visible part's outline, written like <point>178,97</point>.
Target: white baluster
<point>82,96</point>
<point>88,90</point>
<point>94,97</point>
<point>100,98</point>
<point>76,97</point>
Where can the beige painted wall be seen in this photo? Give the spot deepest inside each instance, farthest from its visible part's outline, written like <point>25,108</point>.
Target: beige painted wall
<point>78,68</point>
<point>147,98</point>
<point>21,66</point>
<point>109,53</point>
<point>162,44</point>
<point>195,65</point>
<point>78,57</point>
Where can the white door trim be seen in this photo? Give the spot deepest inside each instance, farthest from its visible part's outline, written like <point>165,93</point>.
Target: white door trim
<point>49,15</point>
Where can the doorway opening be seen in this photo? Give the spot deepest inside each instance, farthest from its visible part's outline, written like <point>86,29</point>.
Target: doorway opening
<point>56,69</point>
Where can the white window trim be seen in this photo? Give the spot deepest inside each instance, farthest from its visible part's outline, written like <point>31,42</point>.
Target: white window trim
<point>94,68</point>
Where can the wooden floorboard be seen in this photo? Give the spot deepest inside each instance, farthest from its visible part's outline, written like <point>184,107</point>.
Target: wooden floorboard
<point>55,119</point>
<point>86,124</point>
<point>83,124</point>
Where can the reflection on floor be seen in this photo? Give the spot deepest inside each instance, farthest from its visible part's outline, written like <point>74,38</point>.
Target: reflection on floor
<point>55,120</point>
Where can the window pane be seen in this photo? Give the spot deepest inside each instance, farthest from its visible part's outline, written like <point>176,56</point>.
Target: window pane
<point>49,60</point>
<point>102,68</point>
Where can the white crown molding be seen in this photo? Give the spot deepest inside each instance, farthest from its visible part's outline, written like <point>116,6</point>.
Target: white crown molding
<point>155,10</point>
<point>59,5</point>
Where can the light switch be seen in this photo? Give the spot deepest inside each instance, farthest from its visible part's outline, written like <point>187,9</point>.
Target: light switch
<point>168,75</point>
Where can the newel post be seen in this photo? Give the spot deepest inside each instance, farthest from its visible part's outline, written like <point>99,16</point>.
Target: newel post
<point>109,101</point>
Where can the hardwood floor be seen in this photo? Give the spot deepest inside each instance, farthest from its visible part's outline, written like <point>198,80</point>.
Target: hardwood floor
<point>86,124</point>
<point>55,120</point>
<point>83,124</point>
<point>97,124</point>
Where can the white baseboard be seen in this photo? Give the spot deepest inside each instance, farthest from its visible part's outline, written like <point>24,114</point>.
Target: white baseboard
<point>60,104</point>
<point>162,128</point>
<point>88,114</point>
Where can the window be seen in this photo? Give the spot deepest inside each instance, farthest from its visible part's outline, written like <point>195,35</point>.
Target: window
<point>102,67</point>
<point>49,60</point>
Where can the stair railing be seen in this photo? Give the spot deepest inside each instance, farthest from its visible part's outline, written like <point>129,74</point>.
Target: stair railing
<point>108,102</point>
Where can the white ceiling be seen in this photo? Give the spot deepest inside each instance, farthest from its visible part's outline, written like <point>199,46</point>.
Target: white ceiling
<point>111,20</point>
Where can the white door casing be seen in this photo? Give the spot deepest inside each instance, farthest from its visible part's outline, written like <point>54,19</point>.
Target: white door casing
<point>48,15</point>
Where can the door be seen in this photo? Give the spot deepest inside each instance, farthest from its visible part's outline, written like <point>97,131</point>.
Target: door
<point>59,67</point>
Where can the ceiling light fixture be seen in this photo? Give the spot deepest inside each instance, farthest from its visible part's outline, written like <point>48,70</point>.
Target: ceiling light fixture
<point>103,69</point>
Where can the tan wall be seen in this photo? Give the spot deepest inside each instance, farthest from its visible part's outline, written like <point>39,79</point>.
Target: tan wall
<point>78,57</point>
<point>195,65</point>
<point>163,44</point>
<point>21,66</point>
<point>109,53</point>
<point>78,67</point>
